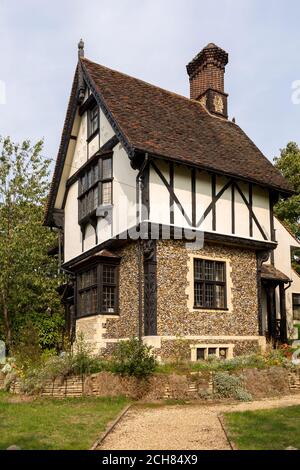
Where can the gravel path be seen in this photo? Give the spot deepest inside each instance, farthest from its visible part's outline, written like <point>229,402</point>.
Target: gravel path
<point>187,427</point>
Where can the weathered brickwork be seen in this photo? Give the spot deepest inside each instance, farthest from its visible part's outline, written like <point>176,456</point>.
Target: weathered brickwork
<point>174,318</point>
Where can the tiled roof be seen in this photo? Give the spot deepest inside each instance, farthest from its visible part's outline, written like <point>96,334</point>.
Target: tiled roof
<point>172,126</point>
<point>165,124</point>
<point>269,272</point>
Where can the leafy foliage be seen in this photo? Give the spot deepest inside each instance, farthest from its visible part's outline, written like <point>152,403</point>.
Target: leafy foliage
<point>230,386</point>
<point>28,276</point>
<point>288,211</point>
<point>133,358</point>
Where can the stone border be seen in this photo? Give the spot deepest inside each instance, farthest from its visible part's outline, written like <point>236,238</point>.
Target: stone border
<point>110,428</point>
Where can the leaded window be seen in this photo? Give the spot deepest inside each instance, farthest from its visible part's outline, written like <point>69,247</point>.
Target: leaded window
<point>95,187</point>
<point>296,307</point>
<point>97,290</point>
<point>209,284</point>
<point>93,121</point>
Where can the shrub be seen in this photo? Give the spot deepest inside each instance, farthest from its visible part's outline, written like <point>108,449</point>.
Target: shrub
<point>230,386</point>
<point>133,358</point>
<point>28,352</point>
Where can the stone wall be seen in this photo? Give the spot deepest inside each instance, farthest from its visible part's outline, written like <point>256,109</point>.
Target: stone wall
<point>176,318</point>
<point>102,331</point>
<point>191,386</point>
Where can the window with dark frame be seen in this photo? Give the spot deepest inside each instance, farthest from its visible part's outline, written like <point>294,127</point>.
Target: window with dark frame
<point>296,307</point>
<point>97,290</point>
<point>93,121</point>
<point>209,284</point>
<point>95,187</point>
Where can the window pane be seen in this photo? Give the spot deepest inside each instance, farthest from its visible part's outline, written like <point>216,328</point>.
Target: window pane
<point>96,173</point>
<point>94,293</point>
<point>200,354</point>
<point>83,182</point>
<point>209,270</point>
<point>106,193</point>
<point>106,168</point>
<point>212,351</point>
<point>209,295</point>
<point>296,299</point>
<point>108,299</point>
<point>95,192</point>
<point>93,120</point>
<point>198,263</point>
<point>198,295</point>
<point>90,180</point>
<point>108,274</point>
<point>220,272</point>
<point>220,296</point>
<point>296,312</point>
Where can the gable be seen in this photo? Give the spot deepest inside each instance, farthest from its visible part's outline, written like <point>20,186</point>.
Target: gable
<point>171,126</point>
<point>77,149</point>
<point>149,119</point>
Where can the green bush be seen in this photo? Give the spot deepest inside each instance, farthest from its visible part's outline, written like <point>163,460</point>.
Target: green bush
<point>230,386</point>
<point>133,358</point>
<point>28,352</point>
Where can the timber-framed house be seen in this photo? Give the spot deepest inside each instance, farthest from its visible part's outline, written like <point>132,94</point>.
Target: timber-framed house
<point>165,213</point>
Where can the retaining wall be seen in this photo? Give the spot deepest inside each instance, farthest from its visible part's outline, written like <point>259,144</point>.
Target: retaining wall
<point>259,382</point>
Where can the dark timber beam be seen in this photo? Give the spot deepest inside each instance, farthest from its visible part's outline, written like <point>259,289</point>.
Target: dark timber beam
<point>171,192</point>
<point>171,172</point>
<point>193,188</point>
<point>213,195</point>
<point>251,211</point>
<point>213,202</point>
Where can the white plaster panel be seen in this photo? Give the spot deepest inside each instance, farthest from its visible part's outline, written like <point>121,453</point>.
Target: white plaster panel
<point>72,233</point>
<point>223,208</point>
<point>80,152</point>
<point>260,199</point>
<point>89,239</point>
<point>242,212</point>
<point>106,131</point>
<point>124,191</point>
<point>183,191</point>
<point>93,146</point>
<point>203,199</point>
<point>159,195</point>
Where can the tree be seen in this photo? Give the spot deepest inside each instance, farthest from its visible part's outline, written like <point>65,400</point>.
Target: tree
<point>288,210</point>
<point>28,276</point>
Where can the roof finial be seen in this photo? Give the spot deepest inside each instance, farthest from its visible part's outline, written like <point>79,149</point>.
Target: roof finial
<point>80,49</point>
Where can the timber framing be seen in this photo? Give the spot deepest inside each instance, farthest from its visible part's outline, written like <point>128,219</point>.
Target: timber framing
<point>211,208</point>
<point>144,232</point>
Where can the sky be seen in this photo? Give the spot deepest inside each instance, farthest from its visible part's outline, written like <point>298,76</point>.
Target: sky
<point>152,40</point>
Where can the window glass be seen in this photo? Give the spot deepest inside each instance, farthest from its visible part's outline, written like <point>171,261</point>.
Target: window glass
<point>97,290</point>
<point>209,284</point>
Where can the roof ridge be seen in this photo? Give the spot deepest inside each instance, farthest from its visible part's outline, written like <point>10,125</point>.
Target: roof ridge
<point>157,87</point>
<point>144,81</point>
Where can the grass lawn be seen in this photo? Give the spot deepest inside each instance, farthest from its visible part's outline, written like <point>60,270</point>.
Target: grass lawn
<point>273,429</point>
<point>66,424</point>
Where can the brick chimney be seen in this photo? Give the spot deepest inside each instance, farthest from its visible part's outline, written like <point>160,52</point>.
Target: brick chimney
<point>206,73</point>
